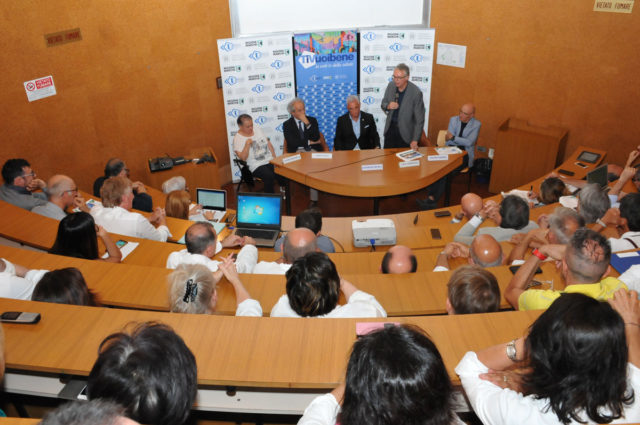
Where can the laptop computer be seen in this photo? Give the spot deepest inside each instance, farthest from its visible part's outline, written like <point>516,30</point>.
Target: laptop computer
<point>598,175</point>
<point>214,200</point>
<point>259,216</point>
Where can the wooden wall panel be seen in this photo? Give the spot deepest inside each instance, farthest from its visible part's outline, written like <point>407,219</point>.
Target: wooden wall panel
<point>553,63</point>
<point>141,83</point>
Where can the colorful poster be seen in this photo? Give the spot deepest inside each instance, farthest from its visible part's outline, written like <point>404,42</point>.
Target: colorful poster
<point>380,52</point>
<point>326,67</point>
<point>257,79</point>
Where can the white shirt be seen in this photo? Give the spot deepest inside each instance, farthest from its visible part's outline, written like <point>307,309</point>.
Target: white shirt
<point>622,244</point>
<point>259,153</point>
<point>631,278</point>
<point>496,405</point>
<point>123,222</point>
<point>360,304</point>
<point>249,307</point>
<point>246,261</point>
<point>16,287</point>
<point>271,267</point>
<point>324,409</point>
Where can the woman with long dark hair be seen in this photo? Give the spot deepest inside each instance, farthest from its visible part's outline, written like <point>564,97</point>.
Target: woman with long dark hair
<point>78,237</point>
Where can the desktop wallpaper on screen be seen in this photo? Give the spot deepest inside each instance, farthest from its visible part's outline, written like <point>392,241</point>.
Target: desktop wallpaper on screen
<point>259,210</point>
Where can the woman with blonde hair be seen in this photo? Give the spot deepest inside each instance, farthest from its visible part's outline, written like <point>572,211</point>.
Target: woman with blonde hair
<point>178,205</point>
<point>193,289</point>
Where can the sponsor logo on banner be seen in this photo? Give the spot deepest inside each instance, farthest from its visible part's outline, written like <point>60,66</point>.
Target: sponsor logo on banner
<point>256,77</point>
<point>417,58</point>
<point>369,36</point>
<point>232,69</point>
<point>395,35</point>
<point>227,46</point>
<point>253,43</point>
<point>255,55</point>
<point>369,69</point>
<point>234,113</point>
<point>395,47</point>
<point>307,60</point>
<point>260,120</point>
<point>371,58</point>
<point>231,80</point>
<point>280,128</point>
<point>260,109</point>
<point>368,100</point>
<point>281,52</point>
<point>277,64</point>
<point>258,88</point>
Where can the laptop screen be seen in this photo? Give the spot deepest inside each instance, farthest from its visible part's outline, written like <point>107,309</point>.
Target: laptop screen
<point>259,210</point>
<point>599,175</point>
<point>212,199</point>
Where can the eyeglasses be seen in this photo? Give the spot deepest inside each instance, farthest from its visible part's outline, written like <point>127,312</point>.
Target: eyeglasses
<point>399,77</point>
<point>71,190</point>
<point>466,114</point>
<point>31,174</point>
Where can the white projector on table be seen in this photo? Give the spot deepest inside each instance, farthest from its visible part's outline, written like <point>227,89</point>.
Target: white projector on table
<point>381,231</point>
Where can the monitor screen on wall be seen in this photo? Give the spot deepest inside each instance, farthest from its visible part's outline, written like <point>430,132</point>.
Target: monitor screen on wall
<point>250,17</point>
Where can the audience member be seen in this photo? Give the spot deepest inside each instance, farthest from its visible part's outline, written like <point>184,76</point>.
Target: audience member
<point>626,220</point>
<point>551,189</point>
<point>311,219</point>
<point>62,193</point>
<point>178,205</point>
<point>313,289</point>
<point>574,367</point>
<point>202,245</point>
<point>513,218</point>
<point>484,251</point>
<point>395,375</point>
<point>78,237</point>
<point>297,243</point>
<point>404,105</point>
<point>399,259</point>
<point>20,184</point>
<point>470,205</point>
<point>149,371</point>
<point>585,265</point>
<point>115,167</point>
<point>116,216</point>
<point>94,412</point>
<point>356,129</point>
<point>251,145</point>
<point>193,289</point>
<point>174,183</point>
<point>301,132</point>
<point>472,289</point>
<point>562,224</point>
<point>16,281</point>
<point>64,286</point>
<point>593,202</point>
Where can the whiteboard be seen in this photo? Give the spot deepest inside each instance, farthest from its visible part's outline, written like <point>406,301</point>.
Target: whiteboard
<point>251,17</point>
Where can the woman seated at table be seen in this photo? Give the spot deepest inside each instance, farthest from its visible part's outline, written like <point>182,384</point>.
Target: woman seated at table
<point>178,205</point>
<point>579,366</point>
<point>78,237</point>
<point>313,289</point>
<point>551,189</point>
<point>251,145</point>
<point>64,286</point>
<point>395,375</point>
<point>193,289</point>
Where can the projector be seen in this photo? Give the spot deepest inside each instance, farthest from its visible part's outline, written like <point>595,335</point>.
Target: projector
<point>381,231</point>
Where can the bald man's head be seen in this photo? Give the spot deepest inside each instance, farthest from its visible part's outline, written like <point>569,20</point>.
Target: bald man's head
<point>61,190</point>
<point>471,204</point>
<point>485,251</point>
<point>298,243</point>
<point>399,259</point>
<point>467,111</point>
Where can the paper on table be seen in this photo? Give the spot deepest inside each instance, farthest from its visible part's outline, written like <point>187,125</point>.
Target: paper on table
<point>448,150</point>
<point>125,250</point>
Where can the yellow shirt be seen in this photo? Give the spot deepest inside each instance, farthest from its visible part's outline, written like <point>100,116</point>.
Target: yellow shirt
<point>539,299</point>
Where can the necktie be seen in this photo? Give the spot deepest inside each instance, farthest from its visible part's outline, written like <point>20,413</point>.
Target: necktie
<point>301,130</point>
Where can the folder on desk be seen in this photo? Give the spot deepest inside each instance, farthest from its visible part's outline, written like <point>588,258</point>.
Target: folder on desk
<point>623,260</point>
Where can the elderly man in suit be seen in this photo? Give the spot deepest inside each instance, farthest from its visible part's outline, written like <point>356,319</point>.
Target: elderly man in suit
<point>356,129</point>
<point>403,104</point>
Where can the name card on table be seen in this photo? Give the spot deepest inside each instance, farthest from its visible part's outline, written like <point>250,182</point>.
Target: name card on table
<point>372,167</point>
<point>291,158</point>
<point>406,164</point>
<point>438,158</point>
<point>321,155</point>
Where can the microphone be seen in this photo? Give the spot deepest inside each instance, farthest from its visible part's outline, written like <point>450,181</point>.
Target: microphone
<point>397,96</point>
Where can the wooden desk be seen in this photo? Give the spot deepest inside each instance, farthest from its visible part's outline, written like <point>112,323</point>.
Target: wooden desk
<point>343,175</point>
<point>276,353</point>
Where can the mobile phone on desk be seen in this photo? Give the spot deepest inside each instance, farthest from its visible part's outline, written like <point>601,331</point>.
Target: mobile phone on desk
<point>566,172</point>
<point>514,269</point>
<point>19,317</point>
<point>580,164</point>
<point>435,233</point>
<point>443,213</point>
<point>120,243</point>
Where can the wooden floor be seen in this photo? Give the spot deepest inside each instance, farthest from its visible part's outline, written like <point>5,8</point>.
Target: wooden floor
<point>341,206</point>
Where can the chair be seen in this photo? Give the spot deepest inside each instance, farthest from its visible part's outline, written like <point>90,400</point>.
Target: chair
<point>442,135</point>
<point>245,174</point>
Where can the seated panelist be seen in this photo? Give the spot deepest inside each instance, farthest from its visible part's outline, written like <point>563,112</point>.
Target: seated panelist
<point>356,130</point>
<point>301,132</point>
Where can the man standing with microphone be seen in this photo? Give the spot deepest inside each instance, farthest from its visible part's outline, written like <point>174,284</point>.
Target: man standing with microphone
<point>403,104</point>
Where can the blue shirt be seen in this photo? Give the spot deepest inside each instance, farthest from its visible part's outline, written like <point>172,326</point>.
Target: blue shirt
<point>356,126</point>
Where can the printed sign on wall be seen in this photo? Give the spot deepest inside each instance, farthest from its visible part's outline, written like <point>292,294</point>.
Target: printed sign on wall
<point>257,79</point>
<point>380,52</point>
<point>326,73</point>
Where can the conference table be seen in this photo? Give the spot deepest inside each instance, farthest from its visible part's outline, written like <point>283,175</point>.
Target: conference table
<point>372,173</point>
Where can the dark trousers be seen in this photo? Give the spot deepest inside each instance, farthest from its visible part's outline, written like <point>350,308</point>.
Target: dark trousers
<point>436,190</point>
<point>393,139</point>
<point>268,177</point>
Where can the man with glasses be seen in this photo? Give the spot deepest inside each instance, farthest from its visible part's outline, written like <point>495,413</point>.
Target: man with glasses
<point>62,193</point>
<point>20,183</point>
<point>463,132</point>
<point>403,104</point>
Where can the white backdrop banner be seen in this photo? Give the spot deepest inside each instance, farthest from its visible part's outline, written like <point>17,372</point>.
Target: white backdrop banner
<point>257,79</point>
<point>380,52</point>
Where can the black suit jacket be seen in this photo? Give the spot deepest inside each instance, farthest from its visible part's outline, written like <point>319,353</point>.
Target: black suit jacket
<point>346,139</point>
<point>292,135</point>
<point>141,201</point>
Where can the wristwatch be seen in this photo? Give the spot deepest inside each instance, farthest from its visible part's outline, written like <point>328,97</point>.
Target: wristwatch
<point>511,351</point>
